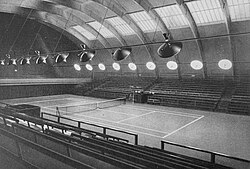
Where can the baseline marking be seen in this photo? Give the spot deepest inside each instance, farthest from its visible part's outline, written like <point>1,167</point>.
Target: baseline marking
<point>182,127</point>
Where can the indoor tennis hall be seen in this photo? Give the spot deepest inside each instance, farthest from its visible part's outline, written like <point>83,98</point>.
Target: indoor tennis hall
<point>125,84</point>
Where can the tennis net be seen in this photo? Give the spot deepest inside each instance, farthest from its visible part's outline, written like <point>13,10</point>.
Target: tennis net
<point>66,110</point>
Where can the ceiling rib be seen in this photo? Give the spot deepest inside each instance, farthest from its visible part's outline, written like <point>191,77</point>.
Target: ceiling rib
<point>99,19</point>
<point>148,7</point>
<point>228,22</point>
<point>48,7</point>
<point>93,15</point>
<point>121,12</point>
<point>41,18</point>
<point>186,12</point>
<point>53,9</point>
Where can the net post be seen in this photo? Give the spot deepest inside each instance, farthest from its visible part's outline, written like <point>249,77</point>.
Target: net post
<point>104,130</point>
<point>136,139</point>
<point>79,124</point>
<point>162,145</point>
<point>213,158</point>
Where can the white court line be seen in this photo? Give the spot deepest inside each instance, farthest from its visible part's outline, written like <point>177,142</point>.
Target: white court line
<point>177,114</point>
<point>182,127</point>
<point>116,112</point>
<point>79,115</point>
<point>163,111</point>
<point>135,117</point>
<point>116,127</point>
<point>155,110</point>
<point>119,122</point>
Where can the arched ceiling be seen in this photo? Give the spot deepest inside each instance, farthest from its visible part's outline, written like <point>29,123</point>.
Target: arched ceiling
<point>106,20</point>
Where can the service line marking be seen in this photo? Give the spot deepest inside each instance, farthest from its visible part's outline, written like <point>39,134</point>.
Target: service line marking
<point>169,134</point>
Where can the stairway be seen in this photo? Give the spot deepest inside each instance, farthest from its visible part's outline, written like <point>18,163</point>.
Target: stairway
<point>225,99</point>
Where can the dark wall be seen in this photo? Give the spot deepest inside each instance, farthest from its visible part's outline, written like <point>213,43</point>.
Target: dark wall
<point>21,37</point>
<point>9,92</point>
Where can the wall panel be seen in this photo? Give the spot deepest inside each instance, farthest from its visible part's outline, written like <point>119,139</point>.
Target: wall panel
<point>9,92</point>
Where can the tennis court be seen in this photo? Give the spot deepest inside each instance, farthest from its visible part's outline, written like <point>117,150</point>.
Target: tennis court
<point>224,133</point>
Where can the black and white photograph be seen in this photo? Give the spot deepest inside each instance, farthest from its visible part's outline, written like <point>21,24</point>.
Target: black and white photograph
<point>124,84</point>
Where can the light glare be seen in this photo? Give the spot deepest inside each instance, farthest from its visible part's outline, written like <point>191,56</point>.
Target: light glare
<point>77,67</point>
<point>150,65</point>
<point>89,67</point>
<point>196,64</point>
<point>116,66</point>
<point>101,66</point>
<point>132,66</point>
<point>172,65</point>
<point>225,64</point>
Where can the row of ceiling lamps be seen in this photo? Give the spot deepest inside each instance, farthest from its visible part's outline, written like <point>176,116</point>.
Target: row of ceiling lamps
<point>166,50</point>
<point>224,64</point>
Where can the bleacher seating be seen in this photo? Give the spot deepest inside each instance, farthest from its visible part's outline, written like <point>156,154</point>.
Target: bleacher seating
<point>81,89</point>
<point>121,86</point>
<point>240,102</point>
<point>200,94</point>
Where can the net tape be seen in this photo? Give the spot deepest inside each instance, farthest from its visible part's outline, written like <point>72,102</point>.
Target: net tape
<point>65,110</point>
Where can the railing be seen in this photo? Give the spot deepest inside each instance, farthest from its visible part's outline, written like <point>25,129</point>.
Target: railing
<point>104,129</point>
<point>48,152</point>
<point>213,155</point>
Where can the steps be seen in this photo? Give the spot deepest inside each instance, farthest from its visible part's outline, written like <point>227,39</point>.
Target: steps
<point>225,99</point>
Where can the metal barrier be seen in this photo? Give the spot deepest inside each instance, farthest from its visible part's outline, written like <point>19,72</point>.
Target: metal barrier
<point>213,155</point>
<point>104,129</point>
<point>48,152</point>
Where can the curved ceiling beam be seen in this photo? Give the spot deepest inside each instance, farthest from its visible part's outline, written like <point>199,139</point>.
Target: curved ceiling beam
<point>228,22</point>
<point>42,18</point>
<point>38,16</point>
<point>94,16</point>
<point>121,12</point>
<point>186,12</point>
<point>51,8</point>
<point>148,7</point>
<point>65,24</point>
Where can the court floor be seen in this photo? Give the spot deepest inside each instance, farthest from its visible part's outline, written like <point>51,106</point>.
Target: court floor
<point>223,133</point>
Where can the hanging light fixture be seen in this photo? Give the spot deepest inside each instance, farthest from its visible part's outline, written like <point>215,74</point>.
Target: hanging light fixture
<point>11,61</point>
<point>169,49</point>
<point>40,59</point>
<point>121,53</point>
<point>25,61</point>
<point>61,57</point>
<point>86,55</point>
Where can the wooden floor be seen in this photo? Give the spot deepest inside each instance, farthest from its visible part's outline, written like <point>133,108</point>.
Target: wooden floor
<point>223,133</point>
